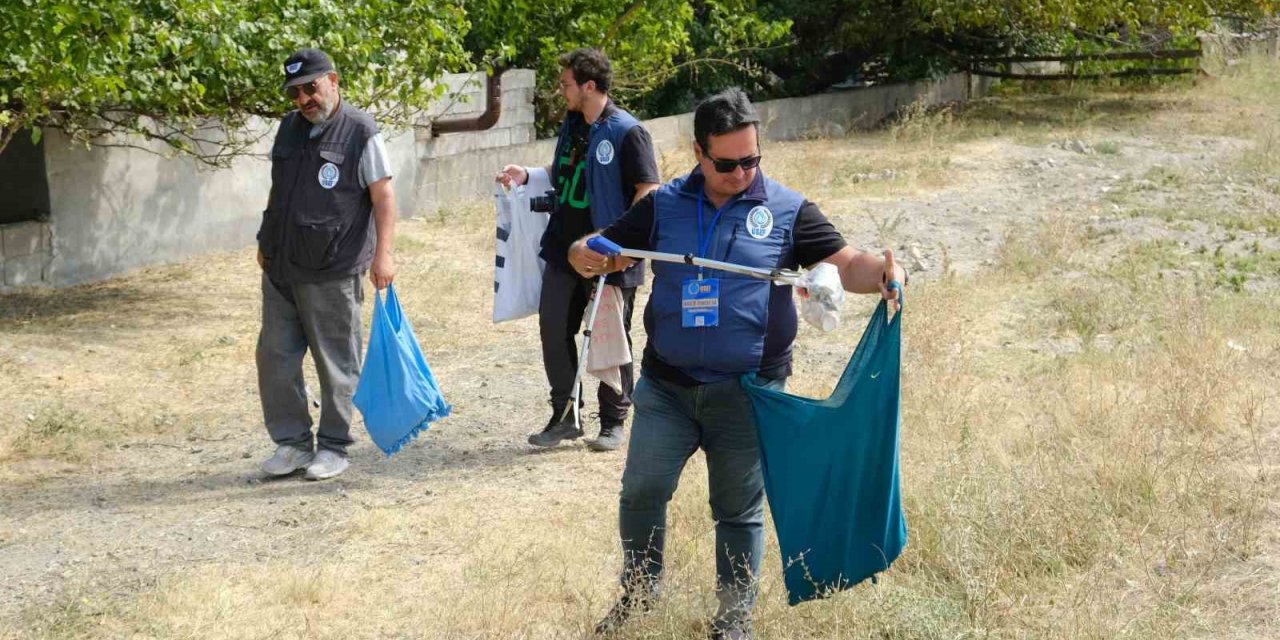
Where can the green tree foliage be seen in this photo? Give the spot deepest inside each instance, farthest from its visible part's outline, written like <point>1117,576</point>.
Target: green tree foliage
<point>728,42</point>
<point>649,42</point>
<point>189,72</point>
<point>835,39</point>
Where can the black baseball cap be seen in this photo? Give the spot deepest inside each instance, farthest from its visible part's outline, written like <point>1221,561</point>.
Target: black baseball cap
<point>304,66</point>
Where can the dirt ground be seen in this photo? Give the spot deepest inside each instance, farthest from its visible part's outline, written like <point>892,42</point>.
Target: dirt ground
<point>130,500</point>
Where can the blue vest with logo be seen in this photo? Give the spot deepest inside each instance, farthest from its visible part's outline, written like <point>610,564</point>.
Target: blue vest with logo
<point>604,167</point>
<point>754,230</point>
<point>606,193</point>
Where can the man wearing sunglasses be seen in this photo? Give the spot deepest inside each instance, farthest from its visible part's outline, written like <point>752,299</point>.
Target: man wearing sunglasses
<point>604,163</point>
<point>330,197</point>
<point>706,329</point>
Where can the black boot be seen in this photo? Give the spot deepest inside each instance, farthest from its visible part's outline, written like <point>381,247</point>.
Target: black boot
<point>629,604</point>
<point>559,427</point>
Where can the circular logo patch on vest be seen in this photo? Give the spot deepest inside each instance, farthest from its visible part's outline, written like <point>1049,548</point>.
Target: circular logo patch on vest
<point>329,175</point>
<point>760,222</point>
<point>604,152</point>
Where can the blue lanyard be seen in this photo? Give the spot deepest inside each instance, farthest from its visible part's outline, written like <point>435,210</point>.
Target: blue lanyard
<point>705,233</point>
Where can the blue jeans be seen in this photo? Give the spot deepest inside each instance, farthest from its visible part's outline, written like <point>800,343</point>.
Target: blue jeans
<point>671,423</point>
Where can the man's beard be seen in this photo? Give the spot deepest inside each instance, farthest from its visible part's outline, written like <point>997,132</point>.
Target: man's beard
<point>321,115</point>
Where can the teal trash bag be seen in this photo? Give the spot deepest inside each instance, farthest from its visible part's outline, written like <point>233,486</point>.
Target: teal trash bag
<point>831,469</point>
<point>397,395</point>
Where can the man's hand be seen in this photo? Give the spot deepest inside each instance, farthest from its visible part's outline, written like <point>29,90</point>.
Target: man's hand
<point>588,263</point>
<point>262,260</point>
<point>382,271</point>
<point>512,174</point>
<point>892,273</point>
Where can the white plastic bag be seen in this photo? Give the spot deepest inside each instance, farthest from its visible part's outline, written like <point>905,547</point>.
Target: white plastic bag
<point>822,307</point>
<point>517,276</point>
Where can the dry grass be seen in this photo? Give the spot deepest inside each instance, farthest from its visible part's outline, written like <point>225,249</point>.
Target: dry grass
<point>1089,450</point>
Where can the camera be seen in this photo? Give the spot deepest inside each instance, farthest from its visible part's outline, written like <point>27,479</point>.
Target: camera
<point>545,203</point>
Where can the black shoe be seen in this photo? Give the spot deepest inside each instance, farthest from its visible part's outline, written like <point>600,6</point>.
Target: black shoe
<point>559,427</point>
<point>626,606</point>
<point>610,438</point>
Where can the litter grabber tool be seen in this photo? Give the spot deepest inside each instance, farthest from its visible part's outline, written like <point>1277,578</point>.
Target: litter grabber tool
<point>576,399</point>
<point>604,246</point>
<point>821,308</point>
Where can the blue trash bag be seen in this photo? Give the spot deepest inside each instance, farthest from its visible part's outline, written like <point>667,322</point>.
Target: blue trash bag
<point>397,394</point>
<point>831,469</point>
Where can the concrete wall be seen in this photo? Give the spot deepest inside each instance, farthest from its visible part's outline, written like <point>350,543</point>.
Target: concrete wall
<point>468,174</point>
<point>113,209</point>
<point>458,166</point>
<point>26,250</point>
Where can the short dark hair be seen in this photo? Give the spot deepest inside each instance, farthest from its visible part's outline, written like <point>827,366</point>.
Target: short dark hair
<point>722,113</point>
<point>587,65</point>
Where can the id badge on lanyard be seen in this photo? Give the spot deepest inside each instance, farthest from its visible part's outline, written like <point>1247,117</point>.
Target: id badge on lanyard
<point>700,297</point>
<point>700,302</point>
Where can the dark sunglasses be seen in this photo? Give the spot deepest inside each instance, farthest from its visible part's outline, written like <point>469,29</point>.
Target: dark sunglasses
<point>727,166</point>
<point>309,88</point>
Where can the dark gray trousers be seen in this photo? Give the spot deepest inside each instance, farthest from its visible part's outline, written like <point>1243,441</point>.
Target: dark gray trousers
<point>560,311</point>
<point>324,318</point>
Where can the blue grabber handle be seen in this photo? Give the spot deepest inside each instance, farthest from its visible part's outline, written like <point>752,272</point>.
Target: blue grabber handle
<point>604,246</point>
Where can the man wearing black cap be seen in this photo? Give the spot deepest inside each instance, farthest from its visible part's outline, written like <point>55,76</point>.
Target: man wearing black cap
<point>330,193</point>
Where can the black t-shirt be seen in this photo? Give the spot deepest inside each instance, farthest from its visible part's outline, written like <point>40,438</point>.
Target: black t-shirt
<point>814,240</point>
<point>572,218</point>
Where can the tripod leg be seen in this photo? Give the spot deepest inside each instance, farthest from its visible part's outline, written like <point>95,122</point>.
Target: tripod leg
<point>582,355</point>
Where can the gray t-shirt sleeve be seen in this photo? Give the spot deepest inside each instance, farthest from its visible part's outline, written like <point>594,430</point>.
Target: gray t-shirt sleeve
<point>374,163</point>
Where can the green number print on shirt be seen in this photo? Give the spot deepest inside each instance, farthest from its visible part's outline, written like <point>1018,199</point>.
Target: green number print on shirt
<point>576,194</point>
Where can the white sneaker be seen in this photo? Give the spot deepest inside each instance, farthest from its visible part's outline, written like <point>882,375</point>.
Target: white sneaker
<point>286,460</point>
<point>327,465</point>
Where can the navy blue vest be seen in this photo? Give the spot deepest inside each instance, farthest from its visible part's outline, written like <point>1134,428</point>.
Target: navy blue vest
<point>604,167</point>
<point>755,230</point>
<point>318,221</point>
<point>606,193</point>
